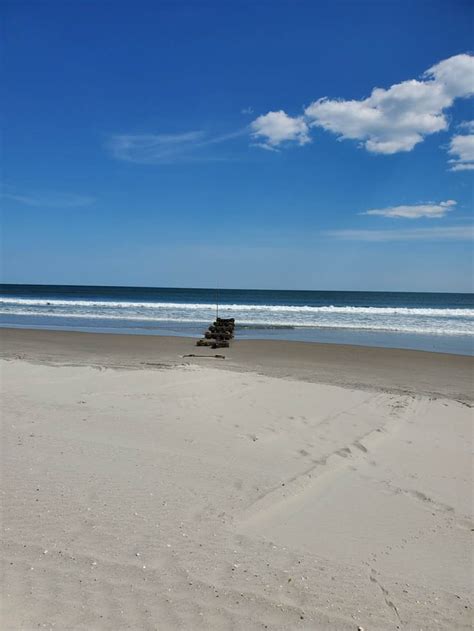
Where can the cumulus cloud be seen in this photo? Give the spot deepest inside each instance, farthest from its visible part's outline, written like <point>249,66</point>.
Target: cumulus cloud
<point>275,128</point>
<point>449,233</point>
<point>389,120</point>
<point>430,210</point>
<point>467,125</point>
<point>398,118</point>
<point>461,148</point>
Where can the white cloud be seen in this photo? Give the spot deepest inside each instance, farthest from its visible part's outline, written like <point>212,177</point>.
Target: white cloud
<point>453,233</point>
<point>462,166</point>
<point>247,110</point>
<point>467,125</point>
<point>455,75</point>
<point>397,119</point>
<point>461,148</point>
<point>276,128</point>
<point>389,120</point>
<point>416,211</point>
<point>166,148</point>
<point>50,200</point>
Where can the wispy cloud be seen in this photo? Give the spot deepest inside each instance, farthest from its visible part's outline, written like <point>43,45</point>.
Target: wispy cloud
<point>429,210</point>
<point>389,120</point>
<point>167,148</point>
<point>461,148</point>
<point>453,233</point>
<point>50,200</point>
<point>246,110</point>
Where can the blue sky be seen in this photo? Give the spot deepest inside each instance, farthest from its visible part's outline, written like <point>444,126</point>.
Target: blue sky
<point>239,144</point>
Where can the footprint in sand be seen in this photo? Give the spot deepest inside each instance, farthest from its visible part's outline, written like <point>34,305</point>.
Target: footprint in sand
<point>344,452</point>
<point>360,446</point>
<point>303,452</point>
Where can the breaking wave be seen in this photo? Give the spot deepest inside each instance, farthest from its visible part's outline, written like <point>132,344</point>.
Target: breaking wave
<point>234,308</point>
<point>444,321</point>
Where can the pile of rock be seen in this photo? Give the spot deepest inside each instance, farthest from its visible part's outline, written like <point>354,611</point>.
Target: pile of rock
<point>218,334</point>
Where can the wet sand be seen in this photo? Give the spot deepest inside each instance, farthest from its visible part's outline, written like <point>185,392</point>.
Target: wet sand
<point>391,370</point>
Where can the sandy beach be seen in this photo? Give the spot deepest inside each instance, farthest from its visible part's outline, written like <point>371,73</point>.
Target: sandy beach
<point>287,486</point>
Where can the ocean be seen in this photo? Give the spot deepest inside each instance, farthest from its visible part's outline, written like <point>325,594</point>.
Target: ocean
<point>423,321</point>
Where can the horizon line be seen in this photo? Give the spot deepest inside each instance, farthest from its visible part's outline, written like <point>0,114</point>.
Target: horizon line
<point>385,291</point>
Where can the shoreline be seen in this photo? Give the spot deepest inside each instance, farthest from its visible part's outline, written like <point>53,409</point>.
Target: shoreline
<point>429,341</point>
<point>400,371</point>
<point>450,344</point>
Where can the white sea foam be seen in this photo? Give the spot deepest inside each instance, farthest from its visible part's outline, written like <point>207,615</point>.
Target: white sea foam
<point>237,308</point>
<point>406,324</point>
<point>449,321</point>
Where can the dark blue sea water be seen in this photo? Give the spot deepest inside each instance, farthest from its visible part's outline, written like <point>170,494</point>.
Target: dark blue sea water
<point>426,321</point>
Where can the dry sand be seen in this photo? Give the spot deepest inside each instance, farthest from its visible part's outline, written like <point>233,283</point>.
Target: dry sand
<point>304,486</point>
